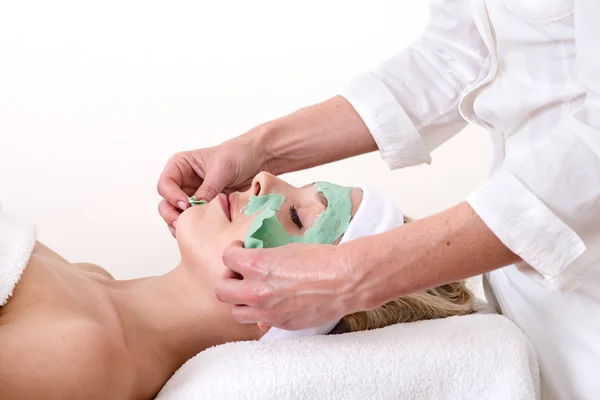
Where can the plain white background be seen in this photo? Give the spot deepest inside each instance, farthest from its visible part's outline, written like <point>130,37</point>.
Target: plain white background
<point>96,96</point>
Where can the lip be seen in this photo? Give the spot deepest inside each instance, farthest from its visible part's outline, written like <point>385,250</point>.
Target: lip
<point>224,202</point>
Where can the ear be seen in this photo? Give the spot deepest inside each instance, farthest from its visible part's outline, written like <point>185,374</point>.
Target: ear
<point>264,328</point>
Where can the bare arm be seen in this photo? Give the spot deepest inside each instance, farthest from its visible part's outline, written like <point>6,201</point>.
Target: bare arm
<point>314,135</point>
<point>299,286</point>
<point>449,246</point>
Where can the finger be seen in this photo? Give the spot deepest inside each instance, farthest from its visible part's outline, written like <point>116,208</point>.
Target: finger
<point>230,274</point>
<point>168,212</point>
<point>264,327</point>
<point>240,260</point>
<point>169,186</point>
<point>172,230</point>
<point>249,315</point>
<point>216,179</point>
<point>236,292</point>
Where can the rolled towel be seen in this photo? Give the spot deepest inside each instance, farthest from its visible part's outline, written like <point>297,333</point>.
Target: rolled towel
<point>376,214</point>
<point>17,239</point>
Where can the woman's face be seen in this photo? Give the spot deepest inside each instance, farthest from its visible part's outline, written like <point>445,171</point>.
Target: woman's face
<point>203,232</point>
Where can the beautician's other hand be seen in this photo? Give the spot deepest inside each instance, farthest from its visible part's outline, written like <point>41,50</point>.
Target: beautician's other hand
<point>207,172</point>
<point>296,286</point>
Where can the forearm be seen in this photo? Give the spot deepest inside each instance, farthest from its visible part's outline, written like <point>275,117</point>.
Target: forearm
<point>446,247</point>
<point>315,135</point>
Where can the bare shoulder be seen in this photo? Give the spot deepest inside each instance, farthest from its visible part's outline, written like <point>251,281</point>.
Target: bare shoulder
<point>93,268</point>
<point>74,359</point>
<point>44,252</point>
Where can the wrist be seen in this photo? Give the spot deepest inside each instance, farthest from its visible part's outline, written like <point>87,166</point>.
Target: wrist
<point>283,145</point>
<point>312,136</point>
<point>362,270</point>
<point>257,143</point>
<point>269,141</point>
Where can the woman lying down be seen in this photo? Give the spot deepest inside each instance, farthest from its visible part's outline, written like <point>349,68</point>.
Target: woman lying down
<point>71,331</point>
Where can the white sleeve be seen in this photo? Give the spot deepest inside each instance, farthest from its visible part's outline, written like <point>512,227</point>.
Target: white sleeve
<point>410,102</point>
<point>548,210</point>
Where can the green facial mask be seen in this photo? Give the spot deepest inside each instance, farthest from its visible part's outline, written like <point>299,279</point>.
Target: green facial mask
<point>266,230</point>
<point>193,202</point>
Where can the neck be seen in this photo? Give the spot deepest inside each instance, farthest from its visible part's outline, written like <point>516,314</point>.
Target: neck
<point>170,318</point>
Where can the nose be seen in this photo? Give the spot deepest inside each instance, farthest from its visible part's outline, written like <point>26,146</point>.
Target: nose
<point>262,184</point>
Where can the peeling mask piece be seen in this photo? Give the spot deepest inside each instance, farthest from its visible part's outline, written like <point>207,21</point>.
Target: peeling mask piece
<point>271,201</point>
<point>266,230</point>
<point>193,202</point>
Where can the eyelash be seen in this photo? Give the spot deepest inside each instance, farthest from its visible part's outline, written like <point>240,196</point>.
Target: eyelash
<point>295,218</point>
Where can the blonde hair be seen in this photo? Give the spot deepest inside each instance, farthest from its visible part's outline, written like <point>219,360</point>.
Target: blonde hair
<point>440,302</point>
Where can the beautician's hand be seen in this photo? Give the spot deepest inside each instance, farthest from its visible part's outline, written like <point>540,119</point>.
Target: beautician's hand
<point>305,285</point>
<point>296,286</point>
<point>311,136</point>
<point>207,172</point>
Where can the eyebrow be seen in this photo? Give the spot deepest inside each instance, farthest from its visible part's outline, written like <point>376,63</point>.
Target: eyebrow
<point>322,199</point>
<point>318,195</point>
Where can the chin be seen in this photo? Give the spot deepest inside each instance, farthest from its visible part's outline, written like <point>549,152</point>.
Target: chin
<point>203,233</point>
<point>190,230</point>
<point>200,233</point>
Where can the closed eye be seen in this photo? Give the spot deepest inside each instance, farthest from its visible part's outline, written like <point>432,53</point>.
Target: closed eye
<point>294,217</point>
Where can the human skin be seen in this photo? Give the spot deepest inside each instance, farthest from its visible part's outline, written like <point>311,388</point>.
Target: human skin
<point>70,331</point>
<point>277,286</point>
<point>312,136</point>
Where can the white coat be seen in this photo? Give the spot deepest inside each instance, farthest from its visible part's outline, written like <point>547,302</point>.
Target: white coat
<point>528,73</point>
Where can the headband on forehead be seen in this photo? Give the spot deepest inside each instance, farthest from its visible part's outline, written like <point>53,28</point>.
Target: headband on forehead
<point>376,214</point>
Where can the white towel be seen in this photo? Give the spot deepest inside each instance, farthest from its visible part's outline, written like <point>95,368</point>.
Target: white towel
<point>17,240</point>
<point>376,214</point>
<point>468,357</point>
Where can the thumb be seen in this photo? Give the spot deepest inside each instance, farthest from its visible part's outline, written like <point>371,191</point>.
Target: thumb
<point>264,327</point>
<point>214,182</point>
<point>235,258</point>
<point>232,250</point>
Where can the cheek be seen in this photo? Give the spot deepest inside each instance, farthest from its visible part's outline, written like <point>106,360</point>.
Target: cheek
<point>219,238</point>
<point>239,230</point>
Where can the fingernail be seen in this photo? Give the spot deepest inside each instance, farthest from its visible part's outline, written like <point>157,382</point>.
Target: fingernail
<point>174,224</point>
<point>181,205</point>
